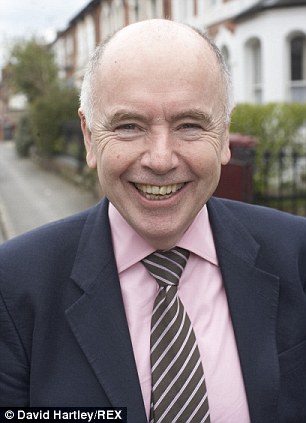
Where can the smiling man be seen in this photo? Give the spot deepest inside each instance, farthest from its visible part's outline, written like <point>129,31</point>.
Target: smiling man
<point>179,306</point>
<point>158,130</point>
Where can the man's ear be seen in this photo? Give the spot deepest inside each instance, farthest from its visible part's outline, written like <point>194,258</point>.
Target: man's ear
<point>91,158</point>
<point>225,149</point>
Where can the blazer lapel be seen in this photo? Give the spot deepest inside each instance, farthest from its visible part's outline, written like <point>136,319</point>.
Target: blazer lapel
<point>98,318</point>
<point>253,300</point>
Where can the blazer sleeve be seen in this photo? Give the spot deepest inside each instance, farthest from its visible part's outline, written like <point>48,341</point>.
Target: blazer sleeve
<point>14,366</point>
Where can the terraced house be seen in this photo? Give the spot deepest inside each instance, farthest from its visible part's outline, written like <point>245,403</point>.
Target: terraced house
<point>263,41</point>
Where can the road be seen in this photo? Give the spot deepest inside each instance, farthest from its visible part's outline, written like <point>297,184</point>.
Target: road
<point>31,196</point>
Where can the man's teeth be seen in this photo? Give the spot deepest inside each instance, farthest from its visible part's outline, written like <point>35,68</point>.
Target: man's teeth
<point>159,190</point>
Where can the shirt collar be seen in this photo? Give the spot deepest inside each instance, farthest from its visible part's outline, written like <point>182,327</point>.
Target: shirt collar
<point>130,248</point>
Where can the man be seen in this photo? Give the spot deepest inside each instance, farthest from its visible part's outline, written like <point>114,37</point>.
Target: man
<point>77,294</point>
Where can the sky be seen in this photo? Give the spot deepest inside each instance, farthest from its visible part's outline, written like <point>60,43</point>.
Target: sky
<point>26,18</point>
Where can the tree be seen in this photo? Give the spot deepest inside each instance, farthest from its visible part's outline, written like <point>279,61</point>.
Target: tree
<point>33,69</point>
<point>49,113</point>
<point>51,104</point>
<point>34,73</point>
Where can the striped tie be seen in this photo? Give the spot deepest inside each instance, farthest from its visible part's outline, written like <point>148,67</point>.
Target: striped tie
<point>178,384</point>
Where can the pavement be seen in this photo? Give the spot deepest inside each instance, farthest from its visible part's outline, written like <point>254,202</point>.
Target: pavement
<point>31,196</point>
<point>4,230</point>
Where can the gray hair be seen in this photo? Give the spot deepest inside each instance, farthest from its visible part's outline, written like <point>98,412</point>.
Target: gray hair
<point>87,96</point>
<point>225,75</point>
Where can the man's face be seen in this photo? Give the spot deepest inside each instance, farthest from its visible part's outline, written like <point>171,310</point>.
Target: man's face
<point>158,138</point>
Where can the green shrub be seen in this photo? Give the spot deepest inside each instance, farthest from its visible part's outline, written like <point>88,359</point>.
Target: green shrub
<point>274,125</point>
<point>278,127</point>
<point>32,68</point>
<point>49,113</point>
<point>24,136</point>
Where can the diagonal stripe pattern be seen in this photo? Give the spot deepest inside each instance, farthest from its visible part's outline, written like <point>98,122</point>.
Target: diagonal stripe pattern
<point>178,385</point>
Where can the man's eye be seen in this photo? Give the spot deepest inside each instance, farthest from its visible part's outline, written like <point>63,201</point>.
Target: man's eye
<point>190,126</point>
<point>126,127</point>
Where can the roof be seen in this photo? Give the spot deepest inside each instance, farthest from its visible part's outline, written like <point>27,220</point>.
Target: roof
<point>90,6</point>
<point>263,5</point>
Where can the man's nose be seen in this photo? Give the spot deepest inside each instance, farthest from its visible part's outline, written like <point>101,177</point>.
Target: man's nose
<point>160,155</point>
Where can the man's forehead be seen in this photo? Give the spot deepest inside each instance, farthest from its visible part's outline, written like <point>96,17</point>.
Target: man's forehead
<point>163,67</point>
<point>152,38</point>
<point>155,29</point>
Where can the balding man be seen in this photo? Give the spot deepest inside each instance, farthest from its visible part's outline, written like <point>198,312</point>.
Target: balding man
<point>181,307</point>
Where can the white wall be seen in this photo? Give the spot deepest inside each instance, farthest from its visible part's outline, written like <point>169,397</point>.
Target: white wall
<point>272,28</point>
<point>111,17</point>
<point>85,40</point>
<point>210,12</point>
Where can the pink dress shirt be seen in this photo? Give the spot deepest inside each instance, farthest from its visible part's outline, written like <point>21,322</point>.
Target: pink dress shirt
<point>202,293</point>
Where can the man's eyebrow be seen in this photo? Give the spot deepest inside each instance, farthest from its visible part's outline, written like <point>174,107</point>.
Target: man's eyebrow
<point>192,114</point>
<point>128,115</point>
<point>122,115</point>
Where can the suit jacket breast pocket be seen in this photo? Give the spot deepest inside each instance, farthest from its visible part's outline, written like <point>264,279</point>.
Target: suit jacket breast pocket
<point>292,399</point>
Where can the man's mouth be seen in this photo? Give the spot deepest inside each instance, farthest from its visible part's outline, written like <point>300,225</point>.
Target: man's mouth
<point>158,192</point>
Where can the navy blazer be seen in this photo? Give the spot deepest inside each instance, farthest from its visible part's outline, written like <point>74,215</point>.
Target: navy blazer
<point>64,338</point>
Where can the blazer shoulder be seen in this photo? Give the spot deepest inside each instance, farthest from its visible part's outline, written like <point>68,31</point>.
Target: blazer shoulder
<point>276,240</point>
<point>262,219</point>
<point>278,233</point>
<point>55,242</point>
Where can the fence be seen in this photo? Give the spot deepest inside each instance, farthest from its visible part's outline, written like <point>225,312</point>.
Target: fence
<point>280,180</point>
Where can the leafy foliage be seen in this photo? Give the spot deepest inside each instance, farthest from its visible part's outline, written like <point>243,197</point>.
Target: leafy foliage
<point>280,129</point>
<point>24,136</point>
<point>33,69</point>
<point>275,125</point>
<point>49,113</point>
<point>34,73</point>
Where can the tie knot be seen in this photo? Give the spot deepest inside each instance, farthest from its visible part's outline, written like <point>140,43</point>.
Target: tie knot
<point>167,266</point>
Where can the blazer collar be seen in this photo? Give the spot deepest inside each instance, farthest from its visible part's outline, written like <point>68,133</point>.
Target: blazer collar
<point>98,319</point>
<point>252,295</point>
